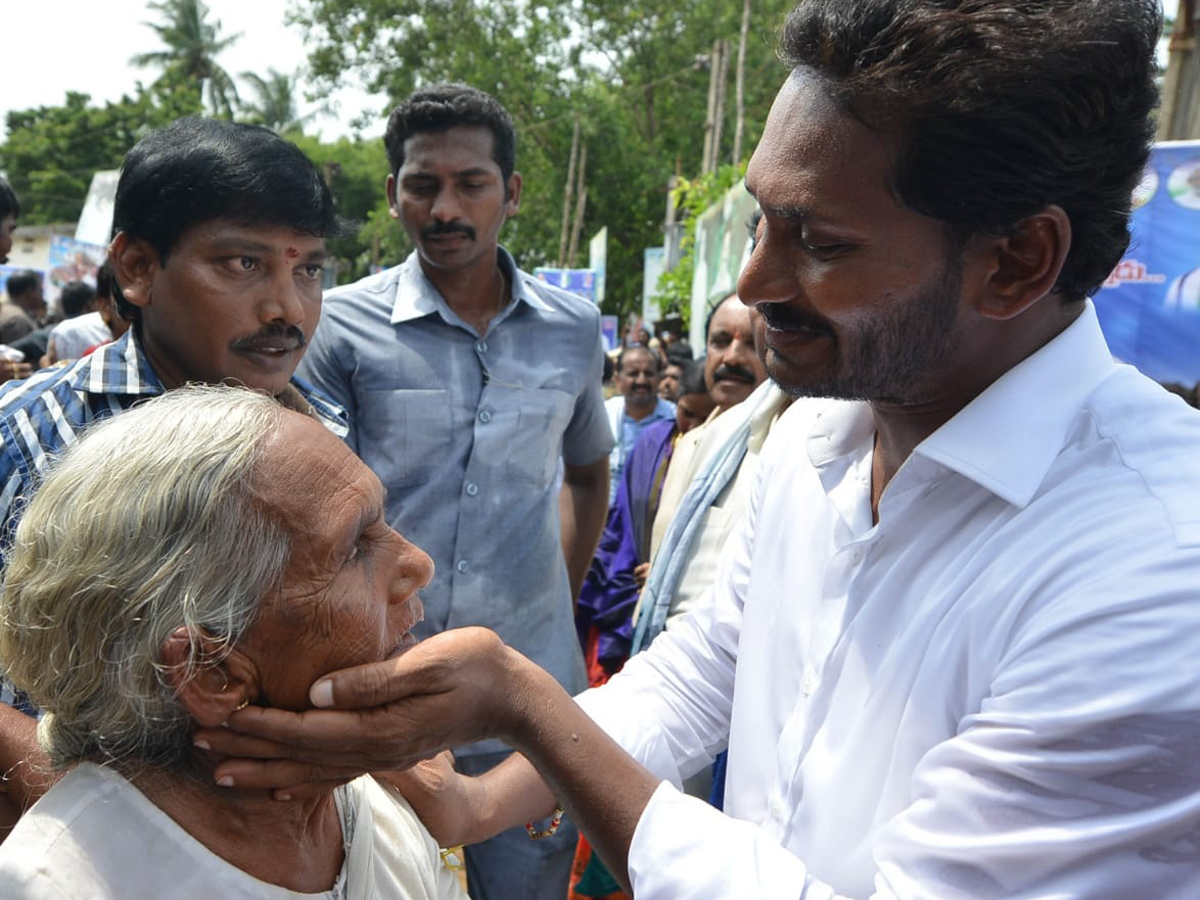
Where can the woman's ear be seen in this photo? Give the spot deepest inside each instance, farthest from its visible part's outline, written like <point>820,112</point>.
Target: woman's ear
<point>214,690</point>
<point>1025,264</point>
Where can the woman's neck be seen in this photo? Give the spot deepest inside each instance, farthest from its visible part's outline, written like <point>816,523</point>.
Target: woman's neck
<point>295,844</point>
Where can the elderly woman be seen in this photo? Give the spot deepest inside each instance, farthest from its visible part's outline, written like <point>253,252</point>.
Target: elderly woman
<point>204,551</point>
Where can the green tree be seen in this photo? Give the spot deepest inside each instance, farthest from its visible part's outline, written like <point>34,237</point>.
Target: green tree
<point>274,103</point>
<point>192,44</point>
<point>635,72</point>
<point>355,170</point>
<point>53,151</point>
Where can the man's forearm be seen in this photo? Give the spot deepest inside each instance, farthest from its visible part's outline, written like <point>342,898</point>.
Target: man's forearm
<point>601,787</point>
<point>582,507</point>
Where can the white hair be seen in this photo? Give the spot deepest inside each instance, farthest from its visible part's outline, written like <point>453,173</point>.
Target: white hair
<point>149,524</point>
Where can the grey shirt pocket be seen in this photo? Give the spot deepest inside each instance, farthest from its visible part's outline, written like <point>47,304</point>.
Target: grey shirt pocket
<point>537,441</point>
<point>404,435</point>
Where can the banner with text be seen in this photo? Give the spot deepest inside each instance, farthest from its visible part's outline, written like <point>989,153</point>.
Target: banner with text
<point>1149,307</point>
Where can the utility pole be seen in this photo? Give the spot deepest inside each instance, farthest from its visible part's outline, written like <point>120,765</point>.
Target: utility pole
<point>570,186</point>
<point>580,206</point>
<point>1179,115</point>
<point>719,110</point>
<point>709,113</point>
<point>739,91</point>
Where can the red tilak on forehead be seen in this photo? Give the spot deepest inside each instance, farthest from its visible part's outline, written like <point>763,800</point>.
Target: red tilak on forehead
<point>292,252</point>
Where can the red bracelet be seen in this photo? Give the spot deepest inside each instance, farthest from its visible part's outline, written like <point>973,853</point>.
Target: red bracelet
<point>555,821</point>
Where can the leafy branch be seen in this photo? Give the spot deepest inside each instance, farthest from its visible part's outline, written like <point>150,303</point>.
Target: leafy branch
<point>692,197</point>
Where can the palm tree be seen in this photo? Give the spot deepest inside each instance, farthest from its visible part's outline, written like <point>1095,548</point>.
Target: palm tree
<point>192,45</point>
<point>275,102</point>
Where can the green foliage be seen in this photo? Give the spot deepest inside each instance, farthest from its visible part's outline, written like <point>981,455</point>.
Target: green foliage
<point>192,44</point>
<point>692,197</point>
<point>53,151</point>
<point>355,171</point>
<point>636,72</point>
<point>274,103</point>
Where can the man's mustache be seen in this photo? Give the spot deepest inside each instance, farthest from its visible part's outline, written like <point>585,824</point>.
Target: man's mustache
<point>736,373</point>
<point>272,333</point>
<point>437,229</point>
<point>787,318</point>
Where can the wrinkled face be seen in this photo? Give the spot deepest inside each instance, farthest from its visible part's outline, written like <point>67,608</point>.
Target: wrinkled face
<point>732,367</point>
<point>8,225</point>
<point>668,382</point>
<point>637,380</point>
<point>452,198</point>
<point>349,594</point>
<point>860,296</point>
<point>232,302</point>
<point>692,410</point>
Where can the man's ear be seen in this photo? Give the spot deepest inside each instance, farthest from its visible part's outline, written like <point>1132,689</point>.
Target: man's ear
<point>512,204</point>
<point>134,262</point>
<point>214,689</point>
<point>1024,265</point>
<point>393,205</point>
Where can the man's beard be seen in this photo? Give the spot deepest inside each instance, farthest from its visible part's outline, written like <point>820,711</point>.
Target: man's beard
<point>890,360</point>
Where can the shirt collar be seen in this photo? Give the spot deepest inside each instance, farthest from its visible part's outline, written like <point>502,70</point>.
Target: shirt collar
<point>1004,440</point>
<point>1007,438</point>
<point>416,297</point>
<point>120,368</point>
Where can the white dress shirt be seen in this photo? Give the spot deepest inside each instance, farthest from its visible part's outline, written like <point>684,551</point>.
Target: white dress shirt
<point>994,692</point>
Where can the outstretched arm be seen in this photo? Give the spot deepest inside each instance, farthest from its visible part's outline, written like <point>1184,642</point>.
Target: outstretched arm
<point>473,685</point>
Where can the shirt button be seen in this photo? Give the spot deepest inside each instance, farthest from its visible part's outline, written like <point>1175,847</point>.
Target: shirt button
<point>462,565</point>
<point>472,489</point>
<point>856,557</point>
<point>810,681</point>
<point>481,346</point>
<point>485,417</point>
<point>777,810</point>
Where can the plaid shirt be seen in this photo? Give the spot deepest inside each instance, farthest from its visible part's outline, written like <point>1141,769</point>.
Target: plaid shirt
<point>44,414</point>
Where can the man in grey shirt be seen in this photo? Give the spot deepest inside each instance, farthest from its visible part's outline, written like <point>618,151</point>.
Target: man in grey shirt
<point>466,381</point>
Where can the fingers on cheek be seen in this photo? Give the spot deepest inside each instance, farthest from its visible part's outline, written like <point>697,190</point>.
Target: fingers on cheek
<point>230,743</point>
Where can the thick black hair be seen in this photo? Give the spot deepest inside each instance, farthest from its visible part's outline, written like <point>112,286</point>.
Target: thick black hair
<point>658,366</point>
<point>75,298</point>
<point>712,310</point>
<point>20,282</point>
<point>441,107</point>
<point>106,284</point>
<point>9,204</point>
<point>999,108</point>
<point>196,170</point>
<point>692,380</point>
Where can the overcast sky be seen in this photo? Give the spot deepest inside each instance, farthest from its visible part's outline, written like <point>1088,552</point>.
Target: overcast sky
<point>49,51</point>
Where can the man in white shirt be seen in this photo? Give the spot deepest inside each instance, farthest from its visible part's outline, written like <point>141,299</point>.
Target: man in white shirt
<point>82,326</point>
<point>952,649</point>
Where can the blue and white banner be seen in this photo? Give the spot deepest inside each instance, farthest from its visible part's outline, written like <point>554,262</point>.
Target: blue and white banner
<point>1149,307</point>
